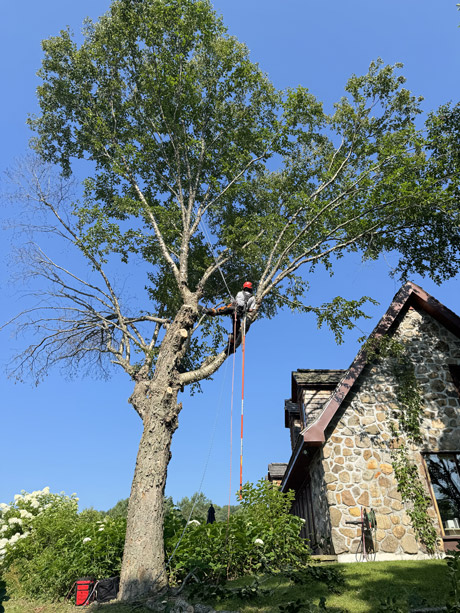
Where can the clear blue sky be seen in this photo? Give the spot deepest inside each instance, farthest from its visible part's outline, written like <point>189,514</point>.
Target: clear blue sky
<point>82,435</point>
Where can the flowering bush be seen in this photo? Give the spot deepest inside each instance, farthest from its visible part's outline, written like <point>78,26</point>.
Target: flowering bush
<point>16,517</point>
<point>47,544</point>
<point>264,535</point>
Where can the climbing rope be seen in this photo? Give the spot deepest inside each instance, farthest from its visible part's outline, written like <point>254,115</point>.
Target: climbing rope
<point>243,346</point>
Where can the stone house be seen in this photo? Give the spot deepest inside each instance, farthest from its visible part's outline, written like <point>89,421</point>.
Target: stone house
<point>343,446</point>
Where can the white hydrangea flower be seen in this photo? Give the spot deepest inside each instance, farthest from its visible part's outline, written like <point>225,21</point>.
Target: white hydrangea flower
<point>15,520</point>
<point>4,507</point>
<point>25,514</point>
<point>14,538</point>
<point>258,542</point>
<point>3,542</point>
<point>35,504</point>
<point>17,497</point>
<point>3,529</point>
<point>2,553</point>
<point>86,539</point>
<point>46,490</point>
<point>101,530</point>
<point>193,522</point>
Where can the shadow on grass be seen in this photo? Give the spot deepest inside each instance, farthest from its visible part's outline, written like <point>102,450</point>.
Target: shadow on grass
<point>367,585</point>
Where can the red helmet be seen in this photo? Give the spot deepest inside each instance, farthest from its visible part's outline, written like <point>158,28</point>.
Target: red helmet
<point>247,285</point>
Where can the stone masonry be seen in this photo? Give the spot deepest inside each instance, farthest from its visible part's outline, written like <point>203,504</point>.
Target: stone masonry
<point>353,469</point>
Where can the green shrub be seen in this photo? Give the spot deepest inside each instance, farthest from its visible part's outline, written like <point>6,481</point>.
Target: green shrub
<point>57,544</point>
<point>46,544</point>
<point>3,595</point>
<point>264,535</point>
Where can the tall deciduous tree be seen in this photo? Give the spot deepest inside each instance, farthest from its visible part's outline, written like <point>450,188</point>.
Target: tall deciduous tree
<point>201,170</point>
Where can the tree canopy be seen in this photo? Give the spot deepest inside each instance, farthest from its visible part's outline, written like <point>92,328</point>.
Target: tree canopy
<point>200,167</point>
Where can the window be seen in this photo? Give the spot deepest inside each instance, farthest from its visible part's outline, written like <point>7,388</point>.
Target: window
<point>444,471</point>
<point>455,373</point>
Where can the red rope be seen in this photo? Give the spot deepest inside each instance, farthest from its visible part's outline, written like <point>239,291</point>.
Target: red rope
<point>242,405</point>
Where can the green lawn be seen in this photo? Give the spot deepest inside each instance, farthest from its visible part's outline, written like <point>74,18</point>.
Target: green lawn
<point>366,586</point>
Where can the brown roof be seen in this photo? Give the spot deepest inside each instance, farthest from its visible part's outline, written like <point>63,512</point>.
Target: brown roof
<point>276,470</point>
<point>314,378</point>
<point>409,294</point>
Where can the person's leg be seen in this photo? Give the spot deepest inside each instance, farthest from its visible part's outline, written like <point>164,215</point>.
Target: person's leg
<point>236,325</point>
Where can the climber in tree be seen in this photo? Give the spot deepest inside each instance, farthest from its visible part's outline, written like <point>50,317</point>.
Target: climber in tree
<point>242,304</point>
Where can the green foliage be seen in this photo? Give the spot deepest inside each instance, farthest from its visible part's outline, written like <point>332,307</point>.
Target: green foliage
<point>409,412</point>
<point>200,504</point>
<point>453,567</point>
<point>3,594</point>
<point>174,524</point>
<point>248,591</point>
<point>292,607</point>
<point>263,535</point>
<point>255,590</point>
<point>382,347</point>
<point>61,545</point>
<point>330,575</point>
<point>302,606</point>
<point>119,510</point>
<point>408,419</point>
<point>412,490</point>
<point>341,314</point>
<point>391,604</point>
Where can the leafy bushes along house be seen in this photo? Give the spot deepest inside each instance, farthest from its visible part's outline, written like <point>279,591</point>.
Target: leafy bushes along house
<point>384,434</point>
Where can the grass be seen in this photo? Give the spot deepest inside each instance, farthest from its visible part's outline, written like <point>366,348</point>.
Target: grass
<point>28,606</point>
<point>366,586</point>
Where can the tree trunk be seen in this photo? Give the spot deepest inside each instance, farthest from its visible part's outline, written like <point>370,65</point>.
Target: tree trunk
<point>143,569</point>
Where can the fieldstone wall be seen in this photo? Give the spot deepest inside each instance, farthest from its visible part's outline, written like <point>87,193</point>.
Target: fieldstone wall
<point>355,462</point>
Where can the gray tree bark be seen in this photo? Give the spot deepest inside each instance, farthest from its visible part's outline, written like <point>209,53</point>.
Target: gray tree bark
<point>143,569</point>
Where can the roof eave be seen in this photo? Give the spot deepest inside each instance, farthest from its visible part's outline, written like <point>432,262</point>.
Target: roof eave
<point>315,434</point>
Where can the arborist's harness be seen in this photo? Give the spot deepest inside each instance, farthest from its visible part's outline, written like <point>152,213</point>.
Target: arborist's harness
<point>242,309</point>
